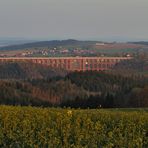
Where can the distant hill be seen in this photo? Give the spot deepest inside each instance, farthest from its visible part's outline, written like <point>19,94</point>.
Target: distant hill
<point>140,43</point>
<point>103,47</point>
<point>27,70</point>
<point>48,44</point>
<point>12,41</point>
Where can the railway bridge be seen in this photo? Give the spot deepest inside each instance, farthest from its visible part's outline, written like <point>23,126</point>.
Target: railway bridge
<point>71,63</point>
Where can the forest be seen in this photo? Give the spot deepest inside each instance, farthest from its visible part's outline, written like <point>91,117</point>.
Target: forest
<point>37,85</point>
<point>24,83</point>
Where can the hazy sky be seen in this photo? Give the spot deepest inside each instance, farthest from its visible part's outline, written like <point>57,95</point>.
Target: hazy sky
<point>79,19</point>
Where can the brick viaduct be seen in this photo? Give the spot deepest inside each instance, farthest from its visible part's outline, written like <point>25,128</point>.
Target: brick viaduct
<point>72,63</point>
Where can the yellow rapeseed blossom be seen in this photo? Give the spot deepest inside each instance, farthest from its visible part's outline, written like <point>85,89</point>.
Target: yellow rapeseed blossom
<point>69,113</point>
<point>67,128</point>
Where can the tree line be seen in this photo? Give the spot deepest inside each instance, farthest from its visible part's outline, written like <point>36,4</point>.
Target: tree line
<point>90,89</point>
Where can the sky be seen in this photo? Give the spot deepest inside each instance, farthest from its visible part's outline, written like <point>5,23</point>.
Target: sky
<point>108,20</point>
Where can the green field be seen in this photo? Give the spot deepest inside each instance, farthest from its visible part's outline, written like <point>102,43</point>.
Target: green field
<point>68,128</point>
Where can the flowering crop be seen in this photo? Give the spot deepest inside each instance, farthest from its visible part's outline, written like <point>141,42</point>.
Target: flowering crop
<point>69,128</point>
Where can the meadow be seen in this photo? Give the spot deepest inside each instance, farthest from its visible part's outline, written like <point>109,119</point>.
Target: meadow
<point>34,127</point>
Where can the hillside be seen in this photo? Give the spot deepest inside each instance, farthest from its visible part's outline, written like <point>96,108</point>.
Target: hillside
<point>34,84</point>
<point>76,43</point>
<point>53,43</point>
<point>38,92</point>
<point>27,70</point>
<point>135,66</point>
<point>78,89</point>
<point>140,43</point>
